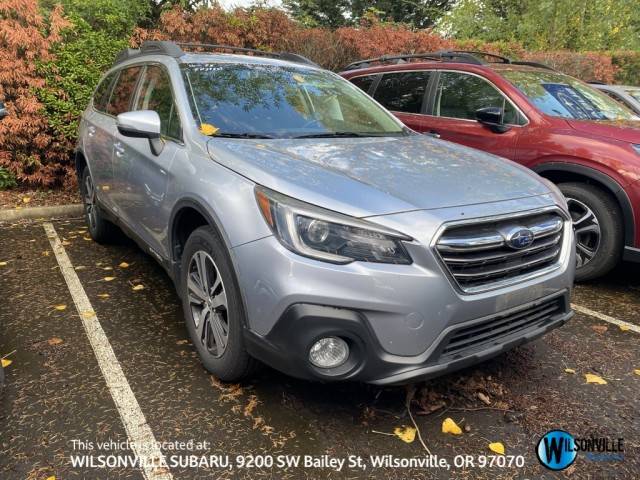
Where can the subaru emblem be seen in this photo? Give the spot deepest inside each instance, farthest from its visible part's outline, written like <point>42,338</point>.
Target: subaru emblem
<point>520,238</point>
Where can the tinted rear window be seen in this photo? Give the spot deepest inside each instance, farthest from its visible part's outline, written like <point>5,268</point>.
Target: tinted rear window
<point>364,83</point>
<point>402,91</point>
<point>123,91</point>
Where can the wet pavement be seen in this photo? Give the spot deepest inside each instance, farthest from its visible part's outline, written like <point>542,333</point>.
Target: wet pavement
<point>55,395</point>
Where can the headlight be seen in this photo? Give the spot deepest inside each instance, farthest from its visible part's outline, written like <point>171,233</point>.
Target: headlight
<point>636,147</point>
<point>329,236</point>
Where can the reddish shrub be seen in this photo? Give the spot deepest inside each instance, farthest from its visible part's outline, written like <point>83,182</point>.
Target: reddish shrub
<point>586,66</point>
<point>27,147</point>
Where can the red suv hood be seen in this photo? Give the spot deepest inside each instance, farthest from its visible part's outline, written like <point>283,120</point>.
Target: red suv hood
<point>622,130</point>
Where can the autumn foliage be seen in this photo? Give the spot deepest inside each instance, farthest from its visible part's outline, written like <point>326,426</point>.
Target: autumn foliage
<point>44,91</point>
<point>27,147</point>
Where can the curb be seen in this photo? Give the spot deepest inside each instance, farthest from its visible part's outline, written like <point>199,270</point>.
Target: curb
<point>73,210</point>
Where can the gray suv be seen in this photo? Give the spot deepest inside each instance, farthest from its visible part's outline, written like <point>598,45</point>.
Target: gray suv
<point>305,227</point>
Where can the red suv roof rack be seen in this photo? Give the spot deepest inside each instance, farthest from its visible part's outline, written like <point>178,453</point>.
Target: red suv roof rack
<point>457,56</point>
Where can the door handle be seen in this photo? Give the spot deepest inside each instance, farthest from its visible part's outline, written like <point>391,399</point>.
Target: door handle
<point>91,130</point>
<point>433,134</point>
<point>119,148</point>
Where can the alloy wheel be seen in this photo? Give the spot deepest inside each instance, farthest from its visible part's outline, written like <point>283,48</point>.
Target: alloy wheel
<point>587,231</point>
<point>208,302</point>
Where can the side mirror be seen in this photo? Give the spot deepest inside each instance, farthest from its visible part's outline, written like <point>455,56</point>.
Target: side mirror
<point>3,111</point>
<point>492,118</point>
<point>141,124</point>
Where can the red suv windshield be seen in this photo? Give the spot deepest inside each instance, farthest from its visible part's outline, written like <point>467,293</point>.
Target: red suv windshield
<point>559,95</point>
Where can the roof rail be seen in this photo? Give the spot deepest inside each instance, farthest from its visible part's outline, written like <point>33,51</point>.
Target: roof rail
<point>174,49</point>
<point>442,56</point>
<point>458,56</point>
<point>534,64</point>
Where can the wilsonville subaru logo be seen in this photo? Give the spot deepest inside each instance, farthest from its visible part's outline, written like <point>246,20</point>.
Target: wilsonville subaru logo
<point>557,450</point>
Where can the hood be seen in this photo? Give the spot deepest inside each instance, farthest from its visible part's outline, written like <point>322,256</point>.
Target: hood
<point>622,130</point>
<point>377,175</point>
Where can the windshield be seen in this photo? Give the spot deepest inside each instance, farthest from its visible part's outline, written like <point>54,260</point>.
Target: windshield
<point>634,92</point>
<point>281,102</point>
<point>559,95</point>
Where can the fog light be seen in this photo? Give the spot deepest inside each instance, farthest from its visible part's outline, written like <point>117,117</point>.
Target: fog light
<point>329,352</point>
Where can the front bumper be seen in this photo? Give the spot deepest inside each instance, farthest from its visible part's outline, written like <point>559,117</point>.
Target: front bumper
<point>395,317</point>
<point>286,346</point>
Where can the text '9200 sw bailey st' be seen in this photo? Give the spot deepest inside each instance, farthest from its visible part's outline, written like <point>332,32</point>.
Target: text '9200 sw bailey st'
<point>304,226</point>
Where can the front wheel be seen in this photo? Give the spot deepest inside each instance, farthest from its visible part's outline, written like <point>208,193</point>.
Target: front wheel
<point>213,309</point>
<point>597,222</point>
<point>100,229</point>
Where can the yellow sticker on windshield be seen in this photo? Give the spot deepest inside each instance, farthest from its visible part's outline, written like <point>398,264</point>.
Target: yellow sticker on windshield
<point>208,129</point>
<point>298,78</point>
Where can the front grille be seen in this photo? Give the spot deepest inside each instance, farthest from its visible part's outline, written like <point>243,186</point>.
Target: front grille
<point>483,335</point>
<point>479,255</point>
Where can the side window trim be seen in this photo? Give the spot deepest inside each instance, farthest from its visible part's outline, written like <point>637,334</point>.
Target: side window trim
<point>520,113</point>
<point>175,108</point>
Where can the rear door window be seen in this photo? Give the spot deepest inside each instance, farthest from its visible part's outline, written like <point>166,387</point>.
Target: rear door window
<point>460,95</point>
<point>402,91</point>
<point>156,94</point>
<point>364,83</point>
<point>102,93</point>
<point>123,91</point>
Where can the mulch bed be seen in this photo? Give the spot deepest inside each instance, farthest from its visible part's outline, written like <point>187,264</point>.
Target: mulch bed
<point>23,197</point>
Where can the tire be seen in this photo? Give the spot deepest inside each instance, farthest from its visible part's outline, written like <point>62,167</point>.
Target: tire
<point>595,213</point>
<point>215,316</point>
<point>100,229</point>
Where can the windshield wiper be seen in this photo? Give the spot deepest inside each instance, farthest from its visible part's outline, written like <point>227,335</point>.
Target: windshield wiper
<point>333,134</point>
<point>241,135</point>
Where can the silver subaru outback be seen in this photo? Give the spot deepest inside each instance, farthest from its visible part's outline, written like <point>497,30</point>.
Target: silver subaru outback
<point>305,227</point>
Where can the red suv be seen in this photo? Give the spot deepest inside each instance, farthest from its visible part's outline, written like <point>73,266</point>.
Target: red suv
<point>568,132</point>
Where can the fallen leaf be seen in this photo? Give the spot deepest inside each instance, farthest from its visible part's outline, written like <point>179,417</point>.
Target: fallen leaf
<point>103,295</point>
<point>624,328</point>
<point>80,267</point>
<point>88,239</point>
<point>107,268</point>
<point>182,342</point>
<point>66,243</point>
<point>485,399</point>
<point>52,477</point>
<point>60,307</point>
<point>570,370</point>
<point>2,264</point>
<point>88,314</point>
<point>591,378</point>
<point>55,341</point>
<point>600,329</point>
<point>46,253</point>
<point>124,265</point>
<point>108,279</point>
<point>449,426</point>
<point>208,129</point>
<point>497,447</point>
<point>6,362</point>
<point>406,434</point>
<point>637,371</point>
<point>26,199</point>
<point>136,288</point>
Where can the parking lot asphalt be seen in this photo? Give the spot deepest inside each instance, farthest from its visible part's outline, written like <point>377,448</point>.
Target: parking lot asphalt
<point>55,395</point>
